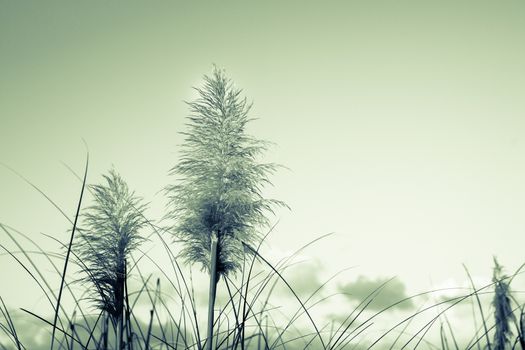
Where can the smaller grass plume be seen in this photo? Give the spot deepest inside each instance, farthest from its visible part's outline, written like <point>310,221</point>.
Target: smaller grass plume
<point>503,315</point>
<point>110,234</point>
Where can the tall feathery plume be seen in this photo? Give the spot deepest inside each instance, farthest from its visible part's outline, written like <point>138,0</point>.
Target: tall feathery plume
<point>216,200</point>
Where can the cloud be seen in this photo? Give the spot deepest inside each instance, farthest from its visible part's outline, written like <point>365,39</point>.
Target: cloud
<point>303,278</point>
<point>29,331</point>
<point>384,292</point>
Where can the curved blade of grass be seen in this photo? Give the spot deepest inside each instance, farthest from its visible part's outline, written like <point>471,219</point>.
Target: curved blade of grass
<point>244,314</point>
<point>300,312</point>
<point>77,214</point>
<point>459,299</point>
<point>55,327</point>
<point>275,268</point>
<point>30,274</point>
<point>479,306</point>
<point>38,190</point>
<point>403,330</point>
<point>363,305</point>
<point>46,255</point>
<point>291,289</point>
<point>420,338</point>
<point>10,323</point>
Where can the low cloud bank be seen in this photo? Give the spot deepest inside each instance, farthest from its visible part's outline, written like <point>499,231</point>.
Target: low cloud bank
<point>384,292</point>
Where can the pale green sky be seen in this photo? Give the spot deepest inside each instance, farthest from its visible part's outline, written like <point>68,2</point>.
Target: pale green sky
<point>402,121</point>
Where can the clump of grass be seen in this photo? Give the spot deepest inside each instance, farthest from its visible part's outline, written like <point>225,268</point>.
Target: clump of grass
<point>110,234</point>
<point>218,207</point>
